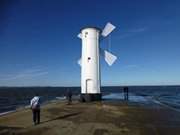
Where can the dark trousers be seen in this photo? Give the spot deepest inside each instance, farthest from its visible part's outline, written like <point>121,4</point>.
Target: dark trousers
<point>36,116</point>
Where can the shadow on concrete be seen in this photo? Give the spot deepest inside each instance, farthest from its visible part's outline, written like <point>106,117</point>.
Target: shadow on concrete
<point>61,117</point>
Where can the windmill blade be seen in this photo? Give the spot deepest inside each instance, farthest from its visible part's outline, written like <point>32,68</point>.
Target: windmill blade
<point>79,62</point>
<point>109,57</point>
<point>79,35</point>
<point>107,29</point>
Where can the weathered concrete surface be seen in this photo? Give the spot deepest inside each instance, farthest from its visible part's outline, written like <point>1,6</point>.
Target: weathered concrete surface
<point>98,118</point>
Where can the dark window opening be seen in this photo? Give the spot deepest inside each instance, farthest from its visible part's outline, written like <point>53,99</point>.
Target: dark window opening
<point>86,33</point>
<point>89,58</point>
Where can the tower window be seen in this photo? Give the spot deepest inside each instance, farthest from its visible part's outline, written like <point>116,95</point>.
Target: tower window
<point>86,33</point>
<point>89,58</point>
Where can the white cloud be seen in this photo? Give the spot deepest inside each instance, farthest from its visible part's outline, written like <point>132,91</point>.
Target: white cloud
<point>130,67</point>
<point>132,32</point>
<point>138,30</point>
<point>25,74</point>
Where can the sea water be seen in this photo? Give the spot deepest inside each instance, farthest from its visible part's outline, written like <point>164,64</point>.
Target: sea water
<point>12,98</point>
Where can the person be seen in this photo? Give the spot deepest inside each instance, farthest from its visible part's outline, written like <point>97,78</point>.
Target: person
<point>69,96</point>
<point>126,93</point>
<point>35,107</point>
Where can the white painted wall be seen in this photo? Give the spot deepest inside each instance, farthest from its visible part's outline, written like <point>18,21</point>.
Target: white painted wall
<point>90,68</point>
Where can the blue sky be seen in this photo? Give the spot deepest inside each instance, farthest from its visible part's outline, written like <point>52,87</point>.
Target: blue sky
<point>39,44</point>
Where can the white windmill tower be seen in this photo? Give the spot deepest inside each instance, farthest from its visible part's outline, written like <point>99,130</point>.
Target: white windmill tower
<point>89,61</point>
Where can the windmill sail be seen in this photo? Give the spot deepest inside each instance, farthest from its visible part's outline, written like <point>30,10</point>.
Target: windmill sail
<point>79,62</point>
<point>107,29</point>
<point>79,35</point>
<point>109,57</point>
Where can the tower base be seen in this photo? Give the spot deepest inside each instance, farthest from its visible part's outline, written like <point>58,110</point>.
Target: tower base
<point>90,97</point>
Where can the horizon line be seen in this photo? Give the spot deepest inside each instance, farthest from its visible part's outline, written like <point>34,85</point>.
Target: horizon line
<point>101,86</point>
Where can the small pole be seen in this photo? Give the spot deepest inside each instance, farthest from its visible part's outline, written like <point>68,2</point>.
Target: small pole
<point>126,94</point>
<point>109,43</point>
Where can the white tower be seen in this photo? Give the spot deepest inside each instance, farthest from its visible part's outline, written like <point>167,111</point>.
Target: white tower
<point>90,65</point>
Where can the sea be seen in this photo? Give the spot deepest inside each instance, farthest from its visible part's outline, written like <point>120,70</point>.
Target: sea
<point>13,98</point>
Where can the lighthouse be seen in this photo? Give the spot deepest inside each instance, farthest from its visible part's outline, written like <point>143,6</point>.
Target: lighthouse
<point>90,62</point>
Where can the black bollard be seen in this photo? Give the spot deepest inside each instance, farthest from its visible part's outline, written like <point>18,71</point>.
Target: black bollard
<point>126,96</point>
